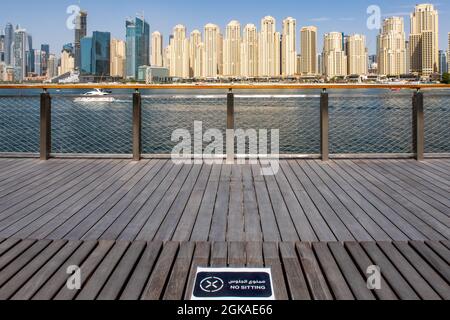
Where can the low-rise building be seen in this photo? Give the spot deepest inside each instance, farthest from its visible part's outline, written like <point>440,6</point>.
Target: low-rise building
<point>150,74</point>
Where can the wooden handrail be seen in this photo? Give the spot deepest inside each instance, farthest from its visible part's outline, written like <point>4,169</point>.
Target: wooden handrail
<point>225,86</point>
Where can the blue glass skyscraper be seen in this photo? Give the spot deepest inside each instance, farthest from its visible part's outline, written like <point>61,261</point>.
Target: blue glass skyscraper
<point>96,54</point>
<point>9,39</point>
<point>138,46</point>
<point>86,54</point>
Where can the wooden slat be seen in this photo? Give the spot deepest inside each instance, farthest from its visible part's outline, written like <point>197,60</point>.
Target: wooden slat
<point>219,255</point>
<point>425,270</point>
<point>393,277</point>
<point>46,272</point>
<point>254,254</point>
<point>88,267</point>
<point>120,276</point>
<point>200,259</point>
<point>294,274</point>
<point>336,281</point>
<point>272,260</point>
<point>313,274</point>
<point>22,276</point>
<point>218,226</point>
<point>236,255</point>
<point>53,285</point>
<point>354,279</point>
<point>440,249</point>
<point>437,262</point>
<point>363,262</point>
<point>180,272</point>
<point>94,285</point>
<point>138,279</point>
<point>252,220</point>
<point>157,282</point>
<point>235,217</point>
<point>7,244</point>
<point>417,282</point>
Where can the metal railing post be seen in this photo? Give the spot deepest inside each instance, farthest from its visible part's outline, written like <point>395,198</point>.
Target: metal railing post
<point>324,125</point>
<point>418,126</point>
<point>230,127</point>
<point>45,126</point>
<point>137,124</point>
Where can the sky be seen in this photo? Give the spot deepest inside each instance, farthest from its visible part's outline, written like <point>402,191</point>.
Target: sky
<point>46,20</point>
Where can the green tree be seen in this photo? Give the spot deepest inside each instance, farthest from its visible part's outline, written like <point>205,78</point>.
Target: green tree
<point>446,78</point>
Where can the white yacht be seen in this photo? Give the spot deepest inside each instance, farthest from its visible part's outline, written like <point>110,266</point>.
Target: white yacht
<point>96,95</point>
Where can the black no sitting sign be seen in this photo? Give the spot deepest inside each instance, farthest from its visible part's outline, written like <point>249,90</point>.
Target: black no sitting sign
<point>233,283</point>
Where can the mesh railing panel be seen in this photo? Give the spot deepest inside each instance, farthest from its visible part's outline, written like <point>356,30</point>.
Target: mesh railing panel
<point>19,124</point>
<point>296,117</point>
<point>162,115</point>
<point>370,124</point>
<point>91,126</point>
<point>437,123</point>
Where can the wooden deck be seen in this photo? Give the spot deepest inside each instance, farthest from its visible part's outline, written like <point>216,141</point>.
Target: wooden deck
<point>150,270</point>
<point>139,229</point>
<point>155,200</point>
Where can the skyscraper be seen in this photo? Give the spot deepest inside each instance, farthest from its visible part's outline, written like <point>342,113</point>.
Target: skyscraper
<point>448,54</point>
<point>30,55</point>
<point>52,66</point>
<point>86,56</point>
<point>9,39</point>
<point>232,50</point>
<point>118,52</point>
<point>269,48</point>
<point>80,33</point>
<point>308,50</point>
<point>289,47</point>
<point>334,58</point>
<point>179,60</point>
<point>20,62</point>
<point>2,46</point>
<point>195,54</point>
<point>443,67</point>
<point>157,50</point>
<point>138,45</point>
<point>45,48</point>
<point>100,54</point>
<point>391,47</point>
<point>249,52</point>
<point>68,60</point>
<point>356,52</point>
<point>212,51</point>
<point>424,40</point>
<point>38,62</point>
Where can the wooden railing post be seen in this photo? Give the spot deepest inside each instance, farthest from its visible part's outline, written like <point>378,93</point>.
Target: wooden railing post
<point>46,126</point>
<point>137,124</point>
<point>230,127</point>
<point>324,125</point>
<point>418,126</point>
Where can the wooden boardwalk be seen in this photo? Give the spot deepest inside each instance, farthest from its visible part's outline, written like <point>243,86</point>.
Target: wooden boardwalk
<point>152,270</point>
<point>155,200</point>
<point>138,230</point>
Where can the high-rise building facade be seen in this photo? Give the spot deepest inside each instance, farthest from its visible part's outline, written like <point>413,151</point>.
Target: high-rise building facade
<point>19,56</point>
<point>424,40</point>
<point>308,55</point>
<point>212,39</point>
<point>195,54</point>
<point>68,61</point>
<point>38,57</point>
<point>269,49</point>
<point>138,46</point>
<point>30,55</point>
<point>179,60</point>
<point>2,46</point>
<point>448,54</point>
<point>289,48</point>
<point>45,48</point>
<point>101,53</point>
<point>52,66</point>
<point>357,56</point>
<point>156,57</point>
<point>80,33</point>
<point>9,40</point>
<point>86,57</point>
<point>232,50</point>
<point>334,57</point>
<point>391,48</point>
<point>118,52</point>
<point>249,52</point>
<point>443,67</point>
